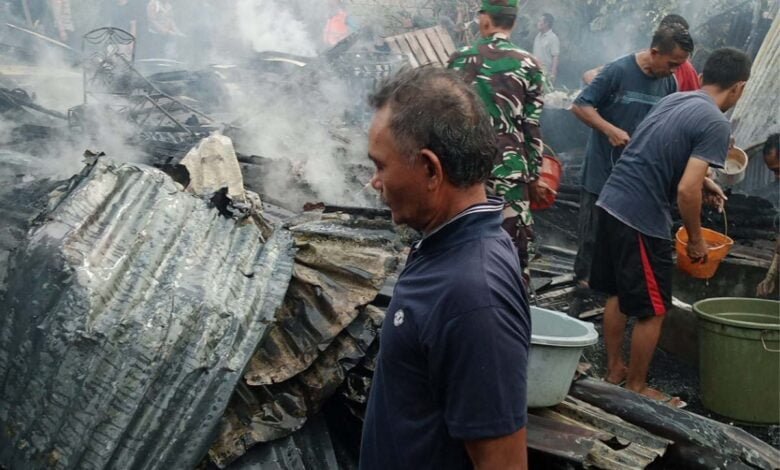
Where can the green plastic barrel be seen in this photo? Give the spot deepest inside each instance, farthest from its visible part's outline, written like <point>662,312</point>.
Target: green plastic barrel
<point>739,358</point>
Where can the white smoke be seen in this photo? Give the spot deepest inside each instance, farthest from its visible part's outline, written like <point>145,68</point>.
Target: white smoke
<point>268,26</point>
<point>291,116</point>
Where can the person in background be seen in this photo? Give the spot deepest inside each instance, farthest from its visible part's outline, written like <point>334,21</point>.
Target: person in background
<point>686,75</point>
<point>163,31</point>
<point>613,105</point>
<point>339,26</point>
<point>63,19</point>
<point>511,84</point>
<point>666,161</point>
<point>449,20</point>
<point>129,15</point>
<point>449,390</point>
<point>547,46</point>
<point>769,285</point>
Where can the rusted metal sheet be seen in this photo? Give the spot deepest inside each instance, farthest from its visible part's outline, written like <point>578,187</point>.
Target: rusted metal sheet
<point>131,311</point>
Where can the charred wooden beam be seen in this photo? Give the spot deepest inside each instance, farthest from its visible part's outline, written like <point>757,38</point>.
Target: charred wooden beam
<point>359,211</point>
<point>699,442</point>
<point>592,438</point>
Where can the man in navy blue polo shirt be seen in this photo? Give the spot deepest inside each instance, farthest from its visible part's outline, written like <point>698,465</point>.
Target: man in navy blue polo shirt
<point>449,389</point>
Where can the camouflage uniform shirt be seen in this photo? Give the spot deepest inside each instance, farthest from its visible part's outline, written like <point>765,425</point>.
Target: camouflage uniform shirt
<point>510,83</point>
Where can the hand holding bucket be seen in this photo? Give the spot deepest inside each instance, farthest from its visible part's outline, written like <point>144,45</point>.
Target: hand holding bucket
<point>543,192</point>
<point>697,251</point>
<point>717,248</point>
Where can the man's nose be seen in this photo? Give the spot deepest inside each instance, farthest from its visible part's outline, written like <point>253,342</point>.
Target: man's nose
<point>376,183</point>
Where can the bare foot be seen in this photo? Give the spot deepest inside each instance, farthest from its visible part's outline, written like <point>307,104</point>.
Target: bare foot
<point>666,399</point>
<point>617,377</point>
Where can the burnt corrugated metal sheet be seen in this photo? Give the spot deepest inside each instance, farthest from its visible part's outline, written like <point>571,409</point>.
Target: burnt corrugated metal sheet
<point>22,197</point>
<point>341,264</point>
<point>262,414</point>
<point>756,115</point>
<point>325,327</point>
<point>758,176</point>
<point>310,448</point>
<point>131,312</point>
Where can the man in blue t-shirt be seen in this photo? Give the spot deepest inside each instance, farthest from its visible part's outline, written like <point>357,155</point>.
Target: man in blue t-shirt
<point>449,390</point>
<point>613,105</point>
<point>666,161</point>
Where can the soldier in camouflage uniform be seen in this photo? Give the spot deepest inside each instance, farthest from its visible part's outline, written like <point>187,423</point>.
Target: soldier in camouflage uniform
<point>510,82</point>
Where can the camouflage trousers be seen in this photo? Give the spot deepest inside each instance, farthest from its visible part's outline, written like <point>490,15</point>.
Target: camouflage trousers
<point>523,237</point>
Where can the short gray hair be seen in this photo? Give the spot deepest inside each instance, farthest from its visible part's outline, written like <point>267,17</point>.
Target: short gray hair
<point>433,108</point>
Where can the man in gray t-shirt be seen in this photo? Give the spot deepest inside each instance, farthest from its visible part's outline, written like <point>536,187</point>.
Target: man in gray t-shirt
<point>643,185</point>
<point>666,162</point>
<point>613,105</point>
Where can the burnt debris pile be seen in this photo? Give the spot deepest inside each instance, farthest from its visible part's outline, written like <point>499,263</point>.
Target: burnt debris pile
<point>187,300</point>
<point>145,325</point>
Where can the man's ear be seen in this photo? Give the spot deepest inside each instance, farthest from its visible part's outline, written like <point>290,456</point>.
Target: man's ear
<point>738,88</point>
<point>433,169</point>
<point>701,80</point>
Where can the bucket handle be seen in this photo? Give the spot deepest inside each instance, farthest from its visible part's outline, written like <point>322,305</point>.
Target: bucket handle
<point>763,343</point>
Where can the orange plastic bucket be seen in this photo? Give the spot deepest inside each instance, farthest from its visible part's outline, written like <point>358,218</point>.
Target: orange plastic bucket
<point>719,247</point>
<point>551,175</point>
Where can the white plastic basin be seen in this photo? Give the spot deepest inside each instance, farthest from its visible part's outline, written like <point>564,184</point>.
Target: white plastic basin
<point>557,341</point>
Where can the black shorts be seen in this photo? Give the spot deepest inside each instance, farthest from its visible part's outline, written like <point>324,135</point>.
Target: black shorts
<point>634,267</point>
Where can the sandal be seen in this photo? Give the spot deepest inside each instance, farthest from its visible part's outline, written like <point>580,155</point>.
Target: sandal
<point>674,402</point>
<point>666,399</point>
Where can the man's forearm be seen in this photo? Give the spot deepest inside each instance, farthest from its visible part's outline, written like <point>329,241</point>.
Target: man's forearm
<point>502,453</point>
<point>591,74</point>
<point>689,204</point>
<point>554,68</point>
<point>592,118</point>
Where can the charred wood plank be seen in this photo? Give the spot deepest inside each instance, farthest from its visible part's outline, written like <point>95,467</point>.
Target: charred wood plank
<point>560,439</point>
<point>699,442</point>
<point>367,212</point>
<point>591,437</point>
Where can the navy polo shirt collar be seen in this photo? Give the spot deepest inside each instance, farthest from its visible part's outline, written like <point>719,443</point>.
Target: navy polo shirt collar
<point>467,224</point>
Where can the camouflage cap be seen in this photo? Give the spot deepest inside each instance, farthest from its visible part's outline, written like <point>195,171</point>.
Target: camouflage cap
<point>499,7</point>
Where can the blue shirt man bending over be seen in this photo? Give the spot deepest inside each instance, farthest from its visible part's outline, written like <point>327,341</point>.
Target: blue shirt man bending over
<point>666,162</point>
<point>613,105</point>
<point>449,389</point>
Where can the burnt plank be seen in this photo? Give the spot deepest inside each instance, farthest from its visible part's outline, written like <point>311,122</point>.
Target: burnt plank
<point>699,442</point>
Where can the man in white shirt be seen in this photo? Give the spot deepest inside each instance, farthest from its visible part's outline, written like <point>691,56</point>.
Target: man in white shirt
<point>547,47</point>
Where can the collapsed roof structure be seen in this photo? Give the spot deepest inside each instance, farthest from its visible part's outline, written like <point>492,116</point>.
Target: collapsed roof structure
<point>166,318</point>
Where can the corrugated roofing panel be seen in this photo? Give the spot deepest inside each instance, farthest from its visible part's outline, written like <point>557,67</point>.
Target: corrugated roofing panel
<point>131,311</point>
